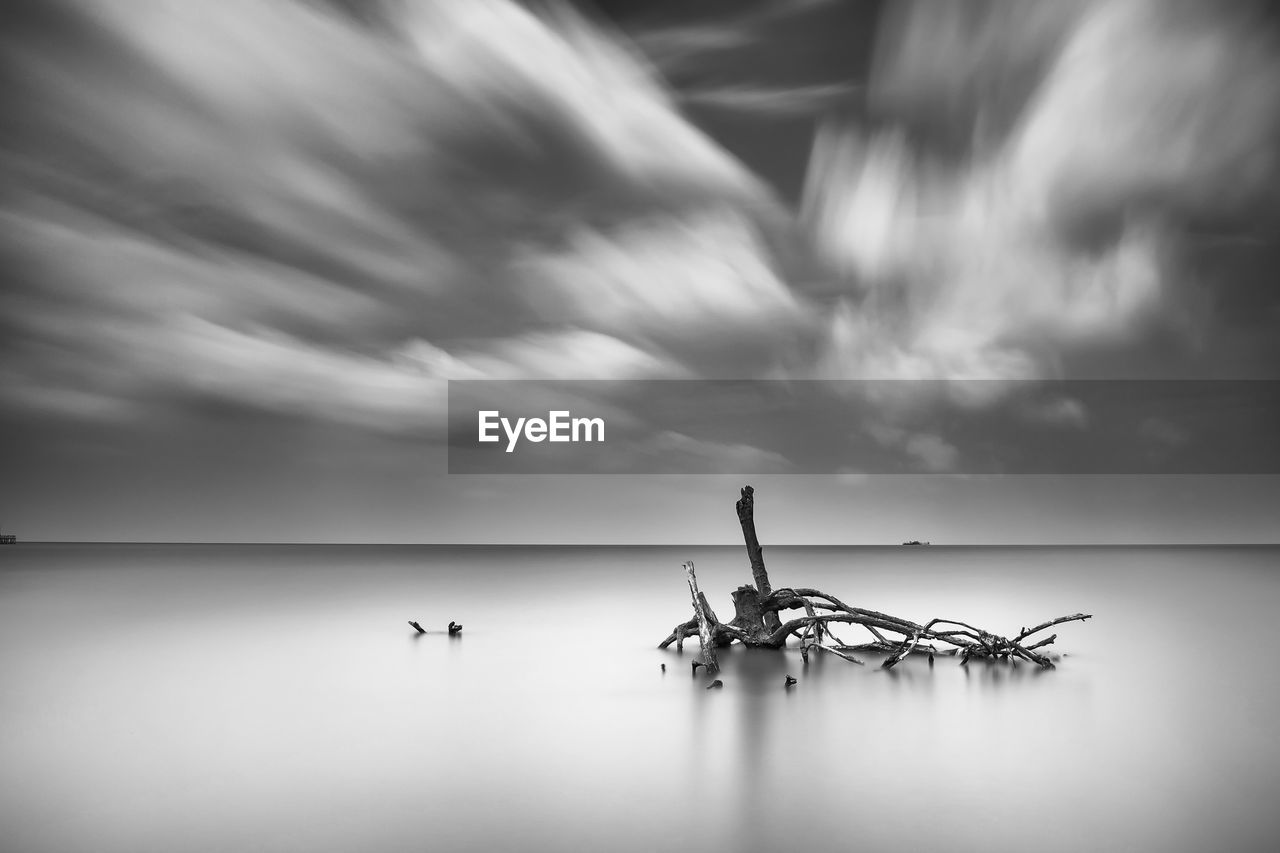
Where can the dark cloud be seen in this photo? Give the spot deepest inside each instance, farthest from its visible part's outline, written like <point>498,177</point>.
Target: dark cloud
<point>281,207</point>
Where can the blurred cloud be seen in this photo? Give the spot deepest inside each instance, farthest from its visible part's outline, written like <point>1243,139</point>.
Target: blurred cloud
<point>927,452</point>
<point>671,452</point>
<point>321,210</point>
<point>779,102</point>
<point>1034,198</point>
<point>701,288</point>
<point>1059,411</point>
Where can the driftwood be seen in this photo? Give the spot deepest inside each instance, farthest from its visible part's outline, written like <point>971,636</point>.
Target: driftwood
<point>705,618</point>
<point>757,622</point>
<point>454,628</point>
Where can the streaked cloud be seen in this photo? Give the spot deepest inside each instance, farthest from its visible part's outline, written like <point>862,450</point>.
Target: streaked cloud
<point>1036,204</point>
<point>322,210</point>
<point>777,102</point>
<point>701,288</point>
<point>672,452</point>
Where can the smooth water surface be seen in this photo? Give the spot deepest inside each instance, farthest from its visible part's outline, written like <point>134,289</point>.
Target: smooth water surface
<point>214,698</point>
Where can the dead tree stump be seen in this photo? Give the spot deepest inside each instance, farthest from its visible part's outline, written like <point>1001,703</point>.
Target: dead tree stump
<point>705,619</point>
<point>756,622</point>
<point>746,507</point>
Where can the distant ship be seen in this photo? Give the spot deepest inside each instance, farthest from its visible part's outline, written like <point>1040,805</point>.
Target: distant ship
<point>915,542</point>
<point>7,538</point>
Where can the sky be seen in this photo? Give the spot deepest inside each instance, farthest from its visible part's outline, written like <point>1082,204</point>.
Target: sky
<point>246,245</point>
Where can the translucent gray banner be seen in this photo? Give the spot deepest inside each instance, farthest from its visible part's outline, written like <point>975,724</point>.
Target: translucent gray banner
<point>864,427</point>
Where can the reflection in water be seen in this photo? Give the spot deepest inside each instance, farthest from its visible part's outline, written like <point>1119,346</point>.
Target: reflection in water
<point>274,698</point>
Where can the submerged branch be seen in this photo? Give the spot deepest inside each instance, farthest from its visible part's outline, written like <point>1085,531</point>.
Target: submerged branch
<point>756,622</point>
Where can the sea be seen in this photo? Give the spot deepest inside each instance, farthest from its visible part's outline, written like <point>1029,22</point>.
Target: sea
<point>275,698</point>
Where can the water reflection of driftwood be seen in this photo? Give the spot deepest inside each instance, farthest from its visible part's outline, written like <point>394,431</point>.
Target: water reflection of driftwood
<point>757,624</point>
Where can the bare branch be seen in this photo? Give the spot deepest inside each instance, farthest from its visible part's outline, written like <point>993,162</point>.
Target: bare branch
<point>1074,617</point>
<point>705,617</point>
<point>756,623</point>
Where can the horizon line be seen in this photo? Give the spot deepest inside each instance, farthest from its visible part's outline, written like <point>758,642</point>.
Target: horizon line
<point>650,544</point>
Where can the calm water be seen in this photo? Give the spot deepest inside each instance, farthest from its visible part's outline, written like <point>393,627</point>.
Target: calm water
<point>214,698</point>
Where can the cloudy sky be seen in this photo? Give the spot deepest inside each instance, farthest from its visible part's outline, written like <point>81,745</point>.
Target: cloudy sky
<point>245,245</point>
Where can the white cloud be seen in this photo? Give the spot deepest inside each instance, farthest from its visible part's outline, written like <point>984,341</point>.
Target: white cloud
<point>280,373</point>
<point>958,278</point>
<point>568,354</point>
<point>1058,231</point>
<point>1155,104</point>
<point>565,69</point>
<point>279,207</point>
<point>701,286</point>
<point>274,206</point>
<point>777,102</point>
